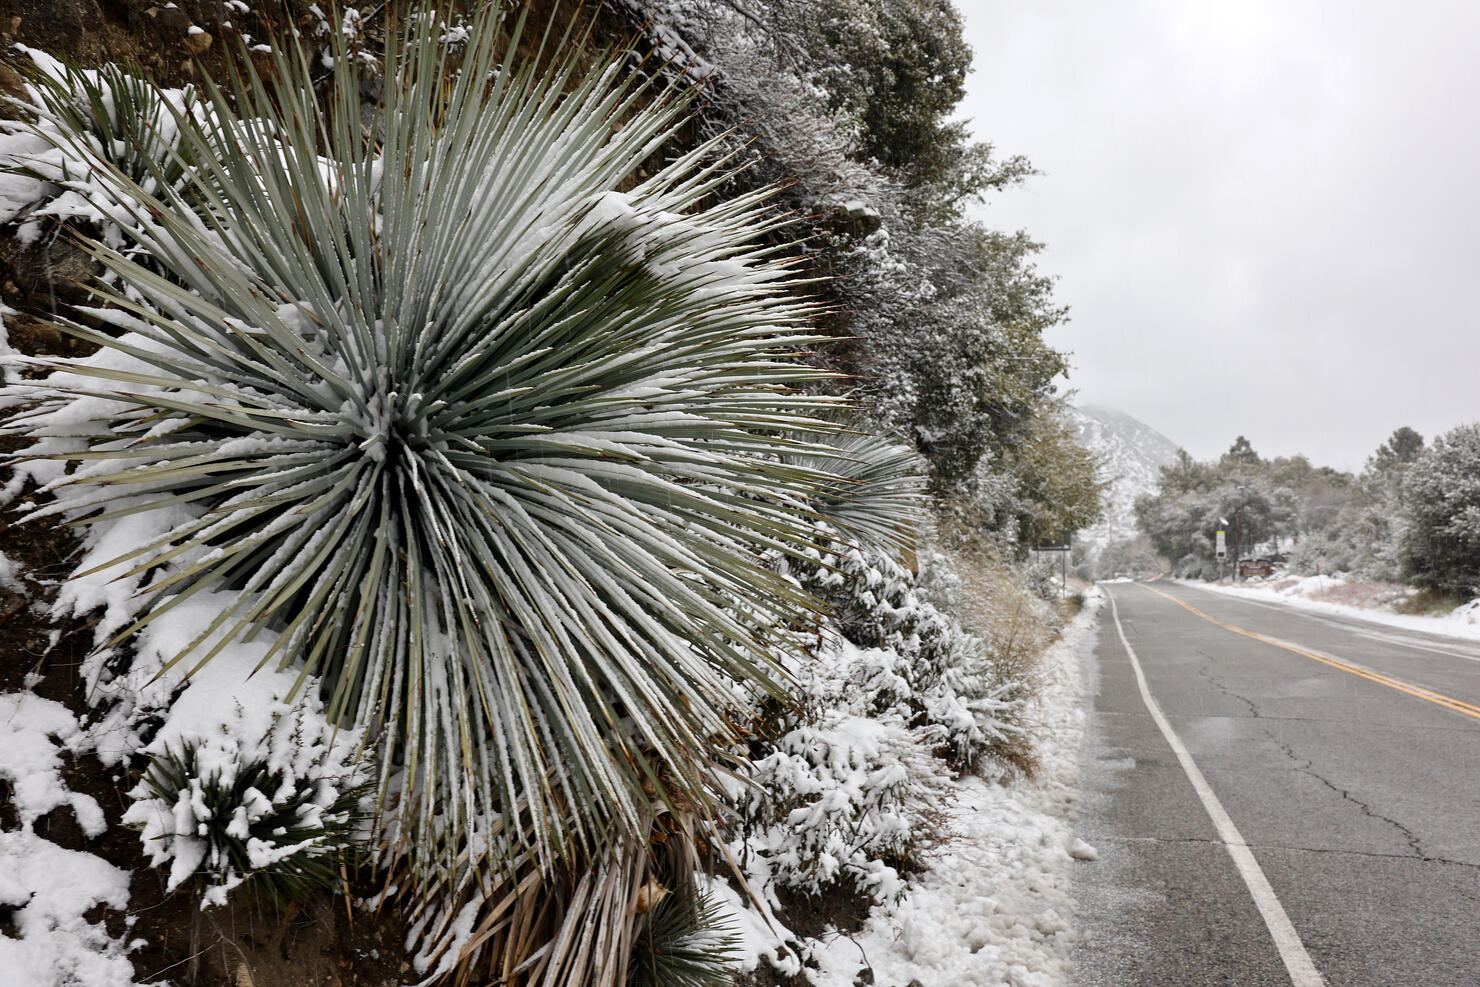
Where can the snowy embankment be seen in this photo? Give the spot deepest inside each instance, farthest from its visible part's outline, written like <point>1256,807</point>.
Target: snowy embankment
<point>995,907</point>
<point>1327,594</point>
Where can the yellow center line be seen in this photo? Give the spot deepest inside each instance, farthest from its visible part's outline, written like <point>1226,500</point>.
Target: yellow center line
<point>1418,691</point>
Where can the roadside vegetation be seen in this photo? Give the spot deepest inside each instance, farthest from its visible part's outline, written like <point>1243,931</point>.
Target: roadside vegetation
<point>516,488</point>
<point>1410,518</point>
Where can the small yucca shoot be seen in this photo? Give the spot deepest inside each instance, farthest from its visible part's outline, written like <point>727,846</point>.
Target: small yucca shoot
<point>106,115</point>
<point>681,941</point>
<point>494,450</point>
<point>226,823</point>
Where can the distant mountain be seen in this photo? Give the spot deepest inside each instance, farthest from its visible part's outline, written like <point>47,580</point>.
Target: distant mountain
<point>1132,454</point>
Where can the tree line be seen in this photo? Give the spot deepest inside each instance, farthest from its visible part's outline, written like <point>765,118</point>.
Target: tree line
<point>1412,514</point>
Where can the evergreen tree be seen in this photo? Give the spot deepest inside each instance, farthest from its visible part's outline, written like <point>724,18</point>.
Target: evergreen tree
<point>1441,507</point>
<point>1401,448</point>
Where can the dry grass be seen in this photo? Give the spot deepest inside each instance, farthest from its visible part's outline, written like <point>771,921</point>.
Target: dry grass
<point>991,600</point>
<point>1370,596</point>
<point>1365,595</point>
<point>1430,602</point>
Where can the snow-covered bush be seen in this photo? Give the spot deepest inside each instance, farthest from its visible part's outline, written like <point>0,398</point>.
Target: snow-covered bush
<point>276,815</point>
<point>1320,552</point>
<point>914,658</point>
<point>842,801</point>
<point>1043,578</point>
<point>899,697</point>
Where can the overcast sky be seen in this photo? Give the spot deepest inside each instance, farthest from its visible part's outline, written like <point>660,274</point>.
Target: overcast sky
<point>1265,217</point>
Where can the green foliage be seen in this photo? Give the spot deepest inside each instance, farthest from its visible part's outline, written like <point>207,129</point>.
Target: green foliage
<point>1441,508</point>
<point>899,68</point>
<point>1372,520</point>
<point>1059,488</point>
<point>1195,499</point>
<point>946,316</point>
<point>1401,449</point>
<point>682,942</point>
<point>1241,454</point>
<point>957,358</point>
<point>490,448</point>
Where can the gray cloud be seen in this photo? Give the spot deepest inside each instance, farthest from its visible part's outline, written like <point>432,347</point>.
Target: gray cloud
<point>1264,216</point>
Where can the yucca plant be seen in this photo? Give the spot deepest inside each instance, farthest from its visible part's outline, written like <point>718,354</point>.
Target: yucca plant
<point>494,450</point>
<point>682,942</point>
<point>875,496</point>
<point>92,122</point>
<point>109,114</point>
<point>254,821</point>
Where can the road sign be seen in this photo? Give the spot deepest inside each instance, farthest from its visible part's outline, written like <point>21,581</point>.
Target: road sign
<point>1222,545</point>
<point>1060,544</point>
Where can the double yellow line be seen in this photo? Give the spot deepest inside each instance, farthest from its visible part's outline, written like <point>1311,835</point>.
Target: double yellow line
<point>1418,691</point>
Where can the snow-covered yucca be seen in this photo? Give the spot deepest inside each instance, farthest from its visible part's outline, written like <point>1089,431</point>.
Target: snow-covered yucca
<point>492,448</point>
<point>74,125</point>
<point>876,496</point>
<point>275,812</point>
<point>108,114</point>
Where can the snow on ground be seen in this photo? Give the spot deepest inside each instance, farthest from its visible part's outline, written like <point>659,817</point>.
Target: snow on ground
<point>996,906</point>
<point>1316,593</point>
<point>49,888</point>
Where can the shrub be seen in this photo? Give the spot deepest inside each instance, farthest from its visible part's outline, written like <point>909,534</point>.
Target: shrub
<point>1043,579</point>
<point>852,789</point>
<point>838,802</point>
<point>913,658</point>
<point>1321,553</point>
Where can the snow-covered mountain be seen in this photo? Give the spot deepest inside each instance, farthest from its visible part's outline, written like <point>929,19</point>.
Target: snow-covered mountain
<point>1132,454</point>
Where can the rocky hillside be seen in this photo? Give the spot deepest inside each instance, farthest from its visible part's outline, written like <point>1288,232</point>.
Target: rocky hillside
<point>1132,453</point>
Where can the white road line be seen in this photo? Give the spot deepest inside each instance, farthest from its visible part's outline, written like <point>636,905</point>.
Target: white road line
<point>1297,961</point>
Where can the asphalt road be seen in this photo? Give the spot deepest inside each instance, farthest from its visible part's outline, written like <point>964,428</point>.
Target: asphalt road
<point>1351,772</point>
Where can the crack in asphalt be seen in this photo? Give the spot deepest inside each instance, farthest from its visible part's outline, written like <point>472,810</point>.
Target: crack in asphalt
<point>1203,670</point>
<point>1334,851</point>
<point>1308,768</point>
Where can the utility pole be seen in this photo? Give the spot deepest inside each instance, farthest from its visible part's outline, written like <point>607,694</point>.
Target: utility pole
<point>1238,528</point>
<point>1220,545</point>
<point>1064,590</point>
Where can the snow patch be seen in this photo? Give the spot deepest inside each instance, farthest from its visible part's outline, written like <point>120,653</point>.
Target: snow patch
<point>1311,593</point>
